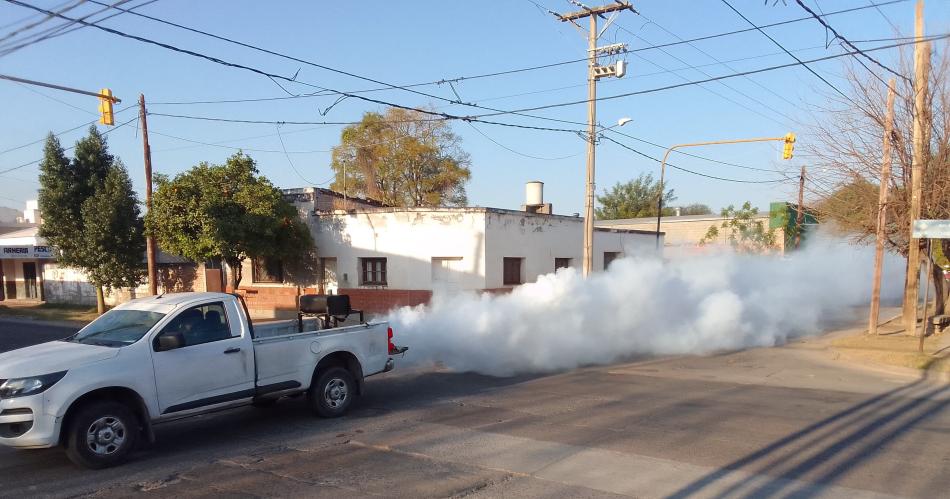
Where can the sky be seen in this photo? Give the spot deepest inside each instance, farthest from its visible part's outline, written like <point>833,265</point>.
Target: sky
<point>410,42</point>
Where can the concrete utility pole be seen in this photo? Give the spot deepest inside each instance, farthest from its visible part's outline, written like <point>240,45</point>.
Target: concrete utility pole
<point>800,210</point>
<point>882,208</point>
<point>920,152</point>
<point>594,72</point>
<point>149,240</point>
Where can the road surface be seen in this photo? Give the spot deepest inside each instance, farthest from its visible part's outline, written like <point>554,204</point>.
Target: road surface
<point>785,422</point>
<point>18,333</point>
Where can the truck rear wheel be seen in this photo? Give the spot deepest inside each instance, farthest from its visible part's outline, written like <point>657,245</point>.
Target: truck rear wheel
<point>332,392</point>
<point>102,434</point>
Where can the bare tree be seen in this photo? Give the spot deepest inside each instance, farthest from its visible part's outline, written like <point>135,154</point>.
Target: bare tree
<point>845,149</point>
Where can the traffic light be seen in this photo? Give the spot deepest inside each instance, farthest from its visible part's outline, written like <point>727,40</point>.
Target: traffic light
<point>105,107</point>
<point>789,146</point>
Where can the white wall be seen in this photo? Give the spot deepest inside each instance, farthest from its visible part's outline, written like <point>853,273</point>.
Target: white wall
<point>539,239</point>
<point>408,239</point>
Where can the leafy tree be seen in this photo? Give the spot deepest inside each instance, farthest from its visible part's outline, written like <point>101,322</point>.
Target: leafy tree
<point>226,212</point>
<point>401,158</point>
<point>634,199</point>
<point>91,214</point>
<point>695,209</point>
<point>744,233</point>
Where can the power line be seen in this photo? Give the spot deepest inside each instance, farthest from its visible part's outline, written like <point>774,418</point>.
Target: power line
<point>198,142</point>
<point>8,170</point>
<point>290,161</point>
<point>697,82</point>
<point>848,43</point>
<point>684,153</point>
<point>720,82</point>
<point>671,165</point>
<point>57,134</point>
<point>810,70</point>
<point>273,76</point>
<point>63,29</point>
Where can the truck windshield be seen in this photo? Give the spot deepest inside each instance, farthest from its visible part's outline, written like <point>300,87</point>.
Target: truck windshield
<point>117,328</point>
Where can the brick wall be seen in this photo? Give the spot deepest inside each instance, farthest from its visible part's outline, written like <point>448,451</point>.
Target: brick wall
<point>380,301</point>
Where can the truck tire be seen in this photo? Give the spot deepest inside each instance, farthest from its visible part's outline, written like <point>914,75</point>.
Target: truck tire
<point>332,392</point>
<point>101,435</point>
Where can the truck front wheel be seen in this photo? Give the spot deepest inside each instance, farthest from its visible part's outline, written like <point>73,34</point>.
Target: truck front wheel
<point>102,434</point>
<point>332,392</point>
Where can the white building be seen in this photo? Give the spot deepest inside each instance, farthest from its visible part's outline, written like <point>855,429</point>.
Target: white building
<point>387,257</point>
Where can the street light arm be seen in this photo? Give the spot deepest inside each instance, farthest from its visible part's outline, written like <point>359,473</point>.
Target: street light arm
<point>666,155</point>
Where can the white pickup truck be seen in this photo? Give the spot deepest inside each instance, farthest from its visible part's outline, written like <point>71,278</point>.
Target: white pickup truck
<point>151,360</point>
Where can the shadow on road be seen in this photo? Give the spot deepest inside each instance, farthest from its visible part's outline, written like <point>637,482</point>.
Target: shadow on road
<point>829,449</point>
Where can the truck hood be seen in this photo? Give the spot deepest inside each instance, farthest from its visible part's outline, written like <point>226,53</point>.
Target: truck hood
<point>51,357</point>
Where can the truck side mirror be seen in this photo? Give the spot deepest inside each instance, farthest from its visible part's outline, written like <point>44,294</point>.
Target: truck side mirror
<point>169,341</point>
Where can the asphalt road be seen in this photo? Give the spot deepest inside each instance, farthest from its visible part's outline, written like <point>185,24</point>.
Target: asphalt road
<point>783,422</point>
<point>18,333</point>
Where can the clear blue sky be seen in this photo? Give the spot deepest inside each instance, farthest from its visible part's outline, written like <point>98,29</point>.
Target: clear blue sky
<point>420,41</point>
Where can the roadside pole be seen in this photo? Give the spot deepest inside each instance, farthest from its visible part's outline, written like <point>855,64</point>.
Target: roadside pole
<point>800,210</point>
<point>882,208</point>
<point>149,240</point>
<point>594,72</point>
<point>921,127</point>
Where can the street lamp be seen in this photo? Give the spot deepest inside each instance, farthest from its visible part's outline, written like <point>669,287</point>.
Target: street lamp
<point>789,140</point>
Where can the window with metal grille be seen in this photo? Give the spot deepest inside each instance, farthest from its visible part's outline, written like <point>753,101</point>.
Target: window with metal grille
<point>373,271</point>
<point>562,263</point>
<point>609,257</point>
<point>267,270</point>
<point>512,271</point>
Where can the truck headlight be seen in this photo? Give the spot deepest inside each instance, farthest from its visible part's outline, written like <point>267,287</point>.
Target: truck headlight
<point>21,387</point>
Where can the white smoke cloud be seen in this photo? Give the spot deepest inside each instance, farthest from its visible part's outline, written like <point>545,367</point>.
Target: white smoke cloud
<point>686,305</point>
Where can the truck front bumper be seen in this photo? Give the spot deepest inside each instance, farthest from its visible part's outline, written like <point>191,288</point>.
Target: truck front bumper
<point>24,423</point>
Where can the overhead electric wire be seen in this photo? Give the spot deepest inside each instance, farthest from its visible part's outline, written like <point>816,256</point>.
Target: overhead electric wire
<point>747,96</point>
<point>198,142</point>
<point>848,43</point>
<point>462,78</point>
<point>714,177</point>
<point>722,77</point>
<point>290,161</point>
<point>684,153</point>
<point>106,132</point>
<point>49,15</point>
<point>57,134</point>
<point>62,29</point>
<point>793,56</point>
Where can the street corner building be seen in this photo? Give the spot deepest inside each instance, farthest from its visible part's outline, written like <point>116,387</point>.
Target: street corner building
<point>387,257</point>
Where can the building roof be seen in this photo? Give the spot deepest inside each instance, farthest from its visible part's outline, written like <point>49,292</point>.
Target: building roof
<point>331,193</point>
<point>20,233</point>
<point>6,228</point>
<point>482,209</point>
<point>671,219</point>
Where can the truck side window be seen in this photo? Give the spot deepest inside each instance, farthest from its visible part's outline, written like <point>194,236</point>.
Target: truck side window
<point>197,325</point>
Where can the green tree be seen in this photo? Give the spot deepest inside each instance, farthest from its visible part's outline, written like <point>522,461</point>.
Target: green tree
<point>91,214</point>
<point>401,158</point>
<point>695,209</point>
<point>226,212</point>
<point>744,232</point>
<point>634,199</point>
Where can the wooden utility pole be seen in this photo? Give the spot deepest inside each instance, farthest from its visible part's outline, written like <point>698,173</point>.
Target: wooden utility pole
<point>594,72</point>
<point>882,208</point>
<point>920,151</point>
<point>800,210</point>
<point>149,240</point>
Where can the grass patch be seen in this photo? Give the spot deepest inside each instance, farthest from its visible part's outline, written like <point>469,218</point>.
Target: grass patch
<point>50,312</point>
<point>896,350</point>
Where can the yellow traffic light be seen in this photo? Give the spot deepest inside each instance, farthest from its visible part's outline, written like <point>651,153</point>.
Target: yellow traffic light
<point>789,146</point>
<point>105,107</point>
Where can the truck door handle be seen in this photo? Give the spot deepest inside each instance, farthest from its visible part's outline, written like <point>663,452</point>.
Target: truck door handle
<point>232,350</point>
